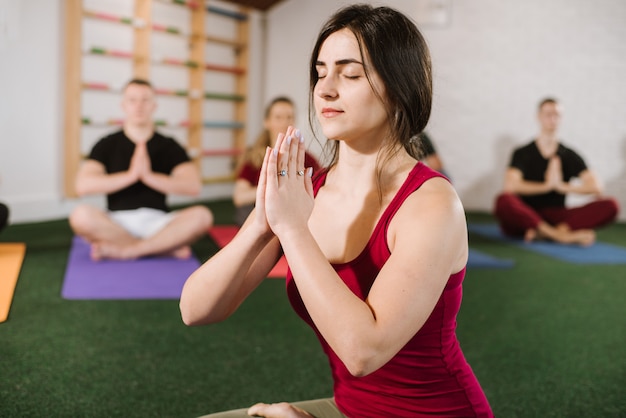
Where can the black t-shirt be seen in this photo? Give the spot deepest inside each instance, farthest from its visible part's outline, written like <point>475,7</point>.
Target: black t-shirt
<point>4,215</point>
<point>533,166</point>
<point>115,152</point>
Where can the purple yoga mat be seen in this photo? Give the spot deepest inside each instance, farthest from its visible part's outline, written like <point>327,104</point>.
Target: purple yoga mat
<point>146,278</point>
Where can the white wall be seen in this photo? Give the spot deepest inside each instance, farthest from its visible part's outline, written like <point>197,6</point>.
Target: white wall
<point>493,61</point>
<point>30,112</point>
<point>31,109</point>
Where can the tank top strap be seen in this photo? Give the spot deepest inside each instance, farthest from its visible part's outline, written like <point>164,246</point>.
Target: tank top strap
<point>318,180</point>
<point>417,176</point>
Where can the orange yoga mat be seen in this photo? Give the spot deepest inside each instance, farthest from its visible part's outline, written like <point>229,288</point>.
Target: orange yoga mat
<point>11,257</point>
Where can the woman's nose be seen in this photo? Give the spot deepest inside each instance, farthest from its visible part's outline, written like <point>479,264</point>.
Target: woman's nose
<point>326,87</point>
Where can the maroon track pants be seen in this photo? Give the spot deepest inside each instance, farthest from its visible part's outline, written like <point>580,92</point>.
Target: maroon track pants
<point>516,217</point>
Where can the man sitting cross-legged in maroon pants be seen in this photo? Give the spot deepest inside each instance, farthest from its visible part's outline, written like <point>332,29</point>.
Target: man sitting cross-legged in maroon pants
<point>536,183</point>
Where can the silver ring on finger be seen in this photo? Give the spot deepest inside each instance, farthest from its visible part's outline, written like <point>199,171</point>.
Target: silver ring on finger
<point>282,173</point>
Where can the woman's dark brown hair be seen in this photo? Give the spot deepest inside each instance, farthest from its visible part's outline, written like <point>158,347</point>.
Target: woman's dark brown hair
<point>398,53</point>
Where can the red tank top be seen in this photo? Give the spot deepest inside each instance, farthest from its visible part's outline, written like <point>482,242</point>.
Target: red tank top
<point>429,375</point>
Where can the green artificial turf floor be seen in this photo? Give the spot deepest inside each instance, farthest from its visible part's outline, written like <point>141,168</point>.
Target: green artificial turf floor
<point>545,338</point>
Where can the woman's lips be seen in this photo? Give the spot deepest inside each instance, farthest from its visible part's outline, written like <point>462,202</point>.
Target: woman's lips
<point>329,112</point>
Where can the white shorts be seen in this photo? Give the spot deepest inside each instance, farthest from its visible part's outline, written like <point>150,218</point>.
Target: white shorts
<point>142,222</point>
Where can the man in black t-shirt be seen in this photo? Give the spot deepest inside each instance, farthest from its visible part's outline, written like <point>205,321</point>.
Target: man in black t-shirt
<point>137,168</point>
<point>4,216</point>
<point>536,184</point>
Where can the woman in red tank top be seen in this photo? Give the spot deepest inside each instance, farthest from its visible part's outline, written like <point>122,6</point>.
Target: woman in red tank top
<point>376,243</point>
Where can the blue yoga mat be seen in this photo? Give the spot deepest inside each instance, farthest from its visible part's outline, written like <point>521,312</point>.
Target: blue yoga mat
<point>478,259</point>
<point>146,278</point>
<point>598,253</point>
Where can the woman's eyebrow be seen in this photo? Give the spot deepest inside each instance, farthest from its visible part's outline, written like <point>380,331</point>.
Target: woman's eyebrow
<point>341,62</point>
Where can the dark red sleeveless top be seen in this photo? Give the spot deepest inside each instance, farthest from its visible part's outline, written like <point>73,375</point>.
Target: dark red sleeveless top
<point>429,375</point>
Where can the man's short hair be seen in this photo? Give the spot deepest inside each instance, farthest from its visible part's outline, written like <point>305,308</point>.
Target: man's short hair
<point>547,100</point>
<point>139,82</point>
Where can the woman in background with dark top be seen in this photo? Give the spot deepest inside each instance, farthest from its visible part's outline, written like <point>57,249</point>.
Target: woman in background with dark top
<point>279,114</point>
<point>430,157</point>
